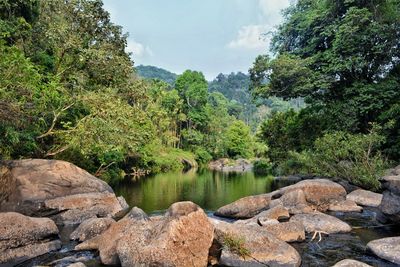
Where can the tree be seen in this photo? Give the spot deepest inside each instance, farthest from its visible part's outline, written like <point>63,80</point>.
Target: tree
<point>238,140</point>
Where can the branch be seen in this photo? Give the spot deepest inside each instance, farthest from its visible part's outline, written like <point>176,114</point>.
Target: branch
<point>53,124</point>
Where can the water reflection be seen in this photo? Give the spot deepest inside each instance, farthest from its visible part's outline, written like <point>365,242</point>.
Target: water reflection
<point>208,189</point>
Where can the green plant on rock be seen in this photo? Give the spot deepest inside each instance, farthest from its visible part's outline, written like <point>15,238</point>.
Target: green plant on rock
<point>236,245</point>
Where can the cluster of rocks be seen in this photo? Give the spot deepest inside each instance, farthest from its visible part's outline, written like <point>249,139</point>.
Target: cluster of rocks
<point>42,195</point>
<point>390,205</point>
<point>39,195</point>
<point>229,165</point>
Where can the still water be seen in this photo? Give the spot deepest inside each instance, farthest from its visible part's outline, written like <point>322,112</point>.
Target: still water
<point>210,190</point>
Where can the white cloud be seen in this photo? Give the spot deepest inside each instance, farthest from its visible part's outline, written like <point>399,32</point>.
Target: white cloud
<point>255,37</point>
<point>250,37</point>
<point>271,10</point>
<point>138,50</point>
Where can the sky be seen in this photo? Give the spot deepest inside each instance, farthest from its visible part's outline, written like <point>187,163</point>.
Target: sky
<point>212,36</point>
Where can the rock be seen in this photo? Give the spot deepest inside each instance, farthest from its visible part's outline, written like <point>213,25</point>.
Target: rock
<point>295,201</point>
<point>386,248</point>
<point>267,217</point>
<point>287,231</point>
<point>91,228</point>
<point>365,198</point>
<point>351,263</point>
<point>75,209</point>
<point>77,264</point>
<point>392,183</point>
<point>264,248</point>
<point>321,222</point>
<point>171,239</point>
<point>23,237</point>
<point>33,181</point>
<point>345,206</point>
<point>390,206</point>
<point>318,192</point>
<point>106,243</point>
<point>183,238</point>
<point>228,165</point>
<point>246,207</point>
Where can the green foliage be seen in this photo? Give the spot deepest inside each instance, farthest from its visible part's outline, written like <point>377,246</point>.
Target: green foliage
<point>350,156</point>
<point>262,166</point>
<point>236,245</point>
<point>151,72</point>
<point>238,140</point>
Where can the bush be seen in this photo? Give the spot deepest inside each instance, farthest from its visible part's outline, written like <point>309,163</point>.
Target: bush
<point>351,156</point>
<point>263,166</point>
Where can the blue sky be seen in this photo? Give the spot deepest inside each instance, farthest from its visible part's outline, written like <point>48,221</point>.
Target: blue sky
<point>211,36</point>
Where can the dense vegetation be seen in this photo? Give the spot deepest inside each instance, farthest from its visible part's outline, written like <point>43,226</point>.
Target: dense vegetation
<point>152,72</point>
<point>342,57</point>
<point>69,91</point>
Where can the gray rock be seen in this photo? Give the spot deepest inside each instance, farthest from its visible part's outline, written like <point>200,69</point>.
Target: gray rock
<point>392,183</point>
<point>345,206</point>
<point>386,248</point>
<point>390,206</point>
<point>23,237</point>
<point>365,198</point>
<point>351,263</point>
<point>287,231</point>
<point>91,228</point>
<point>321,222</point>
<point>264,248</point>
<point>246,207</point>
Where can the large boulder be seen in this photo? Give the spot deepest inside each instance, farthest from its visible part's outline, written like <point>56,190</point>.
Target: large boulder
<point>246,207</point>
<point>91,228</point>
<point>313,222</point>
<point>365,198</point>
<point>182,238</point>
<point>295,201</point>
<point>75,209</point>
<point>318,193</point>
<point>386,248</point>
<point>390,206</point>
<point>249,246</point>
<point>351,263</point>
<point>39,188</point>
<point>23,238</point>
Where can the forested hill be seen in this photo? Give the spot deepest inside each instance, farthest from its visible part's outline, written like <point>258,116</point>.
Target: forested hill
<point>152,72</point>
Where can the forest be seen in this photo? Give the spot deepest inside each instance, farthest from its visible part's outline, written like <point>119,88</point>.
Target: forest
<point>325,100</point>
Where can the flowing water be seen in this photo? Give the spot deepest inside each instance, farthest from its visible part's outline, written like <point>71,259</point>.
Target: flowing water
<point>211,190</point>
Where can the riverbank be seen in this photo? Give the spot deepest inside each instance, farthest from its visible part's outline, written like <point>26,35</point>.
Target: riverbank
<point>258,228</point>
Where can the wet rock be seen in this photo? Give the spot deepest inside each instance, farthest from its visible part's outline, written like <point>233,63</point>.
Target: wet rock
<point>182,238</point>
<point>287,231</point>
<point>23,237</point>
<point>351,263</point>
<point>263,249</point>
<point>75,209</point>
<point>246,207</point>
<point>32,181</point>
<point>386,248</point>
<point>91,228</point>
<point>390,206</point>
<point>321,222</point>
<point>345,206</point>
<point>365,198</point>
<point>318,193</point>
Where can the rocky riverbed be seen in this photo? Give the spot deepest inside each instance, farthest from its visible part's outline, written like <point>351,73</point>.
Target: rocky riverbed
<point>56,214</point>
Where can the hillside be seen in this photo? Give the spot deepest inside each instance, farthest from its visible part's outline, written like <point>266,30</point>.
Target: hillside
<point>151,72</point>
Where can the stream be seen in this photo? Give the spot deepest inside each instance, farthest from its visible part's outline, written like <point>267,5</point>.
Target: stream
<point>211,190</point>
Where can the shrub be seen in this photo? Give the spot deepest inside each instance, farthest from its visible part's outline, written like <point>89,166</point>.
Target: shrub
<point>350,156</point>
<point>236,245</point>
<point>263,166</point>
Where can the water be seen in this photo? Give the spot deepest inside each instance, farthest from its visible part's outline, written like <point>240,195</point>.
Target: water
<point>210,190</point>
